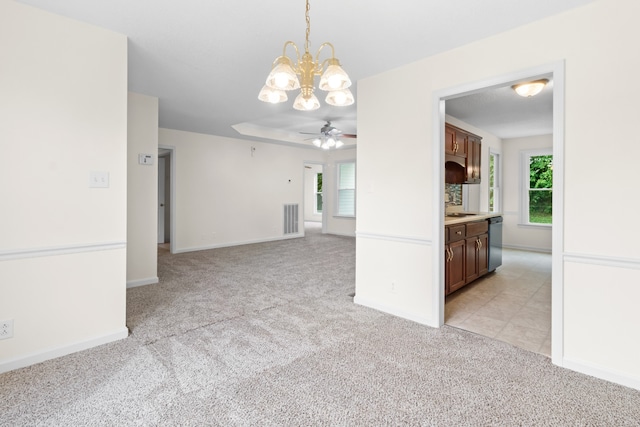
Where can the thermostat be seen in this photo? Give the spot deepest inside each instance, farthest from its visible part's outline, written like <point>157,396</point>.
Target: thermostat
<point>145,159</point>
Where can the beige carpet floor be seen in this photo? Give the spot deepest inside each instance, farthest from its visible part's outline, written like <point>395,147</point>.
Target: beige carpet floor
<point>268,335</point>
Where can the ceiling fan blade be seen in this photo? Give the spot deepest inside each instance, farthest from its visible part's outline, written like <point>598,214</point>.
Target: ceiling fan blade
<point>349,135</point>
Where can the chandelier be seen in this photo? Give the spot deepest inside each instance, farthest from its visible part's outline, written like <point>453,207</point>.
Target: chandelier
<point>284,77</point>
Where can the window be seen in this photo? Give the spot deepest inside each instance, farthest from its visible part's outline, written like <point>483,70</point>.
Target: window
<point>346,189</point>
<point>317,185</point>
<point>538,187</point>
<point>494,182</point>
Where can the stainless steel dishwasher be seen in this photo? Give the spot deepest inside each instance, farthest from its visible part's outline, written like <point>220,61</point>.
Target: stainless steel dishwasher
<point>495,242</point>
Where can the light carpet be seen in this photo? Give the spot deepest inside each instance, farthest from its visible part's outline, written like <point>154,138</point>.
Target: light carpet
<point>268,335</point>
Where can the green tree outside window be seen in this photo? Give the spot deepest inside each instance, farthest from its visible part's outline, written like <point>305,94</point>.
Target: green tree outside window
<point>540,189</point>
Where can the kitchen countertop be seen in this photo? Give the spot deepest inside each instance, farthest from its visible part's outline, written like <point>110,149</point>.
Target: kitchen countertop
<point>449,220</point>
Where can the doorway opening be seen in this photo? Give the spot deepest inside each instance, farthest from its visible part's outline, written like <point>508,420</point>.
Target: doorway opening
<point>529,282</point>
<point>313,211</point>
<point>165,198</point>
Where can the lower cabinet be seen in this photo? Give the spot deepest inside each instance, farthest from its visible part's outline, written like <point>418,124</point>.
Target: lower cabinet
<point>476,257</point>
<point>466,254</point>
<point>454,267</point>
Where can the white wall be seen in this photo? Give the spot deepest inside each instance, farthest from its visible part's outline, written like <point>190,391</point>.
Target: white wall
<point>142,193</point>
<point>63,245</point>
<point>515,235</point>
<point>226,194</point>
<point>396,193</point>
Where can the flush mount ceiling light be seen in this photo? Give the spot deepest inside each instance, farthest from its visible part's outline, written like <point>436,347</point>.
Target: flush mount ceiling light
<point>529,89</point>
<point>284,77</point>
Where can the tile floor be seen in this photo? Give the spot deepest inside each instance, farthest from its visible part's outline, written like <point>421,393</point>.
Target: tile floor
<point>513,304</point>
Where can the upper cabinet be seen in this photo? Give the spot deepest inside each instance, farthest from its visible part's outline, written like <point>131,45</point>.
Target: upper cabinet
<point>462,156</point>
<point>474,148</point>
<point>455,142</point>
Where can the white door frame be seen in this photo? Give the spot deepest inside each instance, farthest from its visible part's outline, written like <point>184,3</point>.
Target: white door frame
<point>162,171</point>
<point>557,69</point>
<point>172,194</point>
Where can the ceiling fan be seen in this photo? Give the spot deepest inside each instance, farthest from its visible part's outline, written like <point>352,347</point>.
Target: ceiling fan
<point>329,137</point>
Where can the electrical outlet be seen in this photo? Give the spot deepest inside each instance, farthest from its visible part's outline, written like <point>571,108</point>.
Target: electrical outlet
<point>6,329</point>
<point>393,289</point>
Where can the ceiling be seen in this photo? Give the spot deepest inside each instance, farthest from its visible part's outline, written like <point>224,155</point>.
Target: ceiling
<point>504,113</point>
<point>206,60</point>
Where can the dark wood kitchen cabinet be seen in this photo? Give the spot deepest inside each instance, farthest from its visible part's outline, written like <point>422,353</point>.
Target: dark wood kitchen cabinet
<point>476,250</point>
<point>466,253</point>
<point>454,142</point>
<point>454,258</point>
<point>474,151</point>
<point>462,156</point>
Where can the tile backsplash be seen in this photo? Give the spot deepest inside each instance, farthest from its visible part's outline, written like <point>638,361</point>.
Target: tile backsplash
<point>453,194</point>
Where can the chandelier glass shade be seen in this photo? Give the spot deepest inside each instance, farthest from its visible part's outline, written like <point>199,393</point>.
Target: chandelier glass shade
<point>339,97</point>
<point>273,96</point>
<point>288,75</point>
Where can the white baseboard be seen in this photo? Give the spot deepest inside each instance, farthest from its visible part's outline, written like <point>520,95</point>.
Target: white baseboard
<point>527,248</point>
<point>230,244</point>
<point>602,373</point>
<point>395,312</point>
<point>142,282</point>
<point>341,234</point>
<point>54,353</point>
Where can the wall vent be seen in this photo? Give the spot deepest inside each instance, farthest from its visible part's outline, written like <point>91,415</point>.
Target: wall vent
<point>291,219</point>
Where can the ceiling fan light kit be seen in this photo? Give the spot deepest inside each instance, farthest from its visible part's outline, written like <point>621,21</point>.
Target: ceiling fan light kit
<point>327,142</point>
<point>285,75</point>
<point>530,89</point>
<point>329,137</point>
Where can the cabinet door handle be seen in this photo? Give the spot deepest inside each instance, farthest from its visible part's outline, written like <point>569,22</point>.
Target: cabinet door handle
<point>459,233</point>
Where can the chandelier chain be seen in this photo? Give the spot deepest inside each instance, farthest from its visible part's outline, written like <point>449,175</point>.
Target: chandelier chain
<point>308,19</point>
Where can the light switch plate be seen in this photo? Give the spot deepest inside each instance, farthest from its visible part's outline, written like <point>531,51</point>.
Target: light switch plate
<point>99,179</point>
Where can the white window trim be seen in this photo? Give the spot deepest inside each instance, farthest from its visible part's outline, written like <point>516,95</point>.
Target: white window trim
<point>337,187</point>
<point>525,155</point>
<point>497,180</point>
